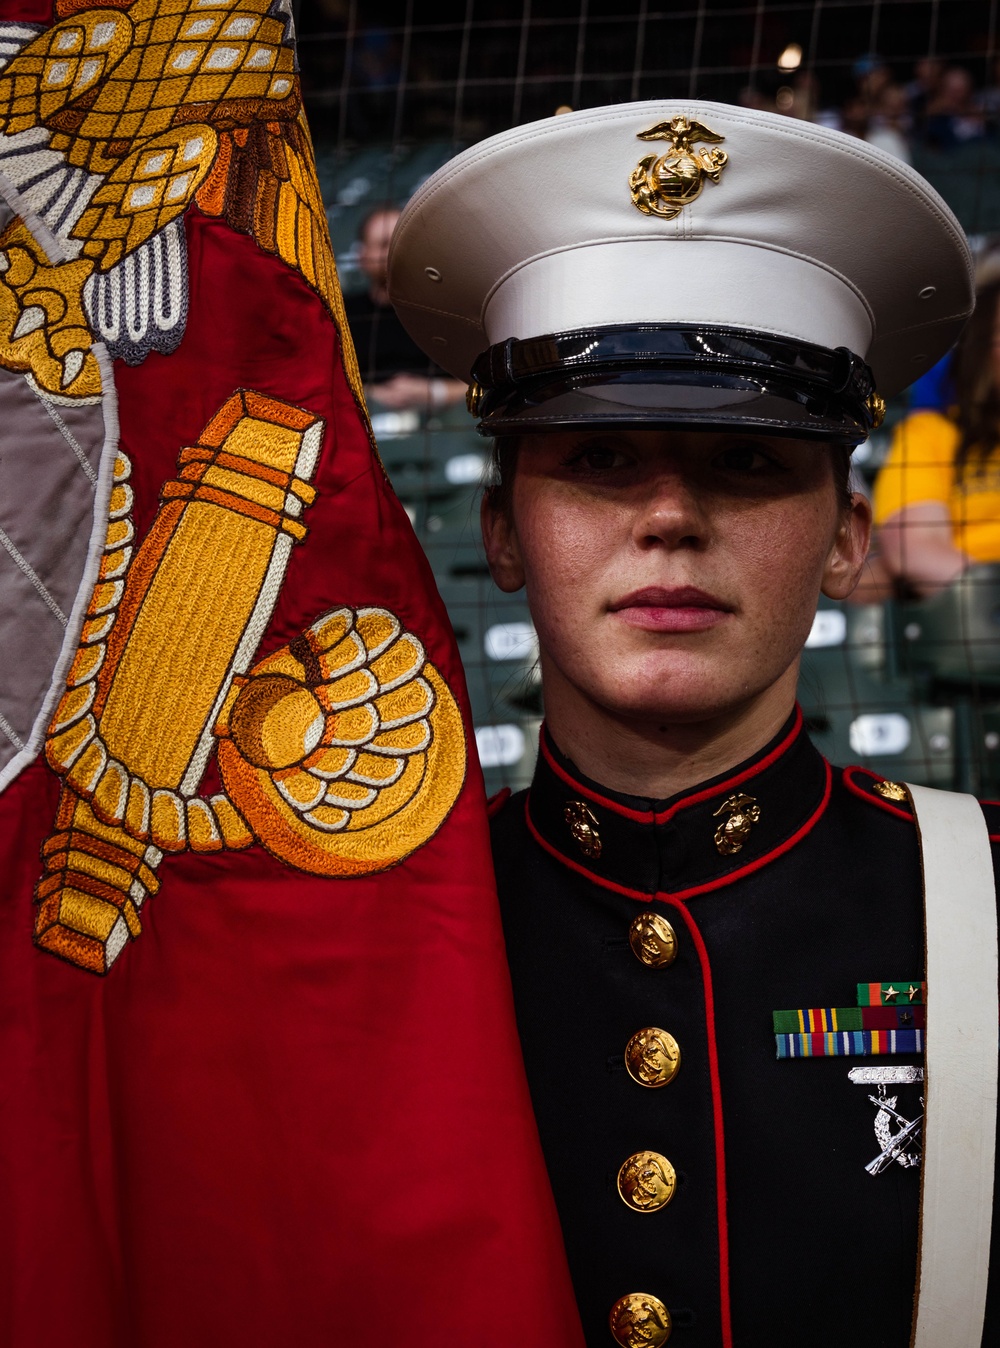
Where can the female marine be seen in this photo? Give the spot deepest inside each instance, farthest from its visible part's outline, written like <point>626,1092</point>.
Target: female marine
<point>715,939</point>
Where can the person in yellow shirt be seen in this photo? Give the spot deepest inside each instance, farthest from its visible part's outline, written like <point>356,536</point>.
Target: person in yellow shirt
<point>937,498</point>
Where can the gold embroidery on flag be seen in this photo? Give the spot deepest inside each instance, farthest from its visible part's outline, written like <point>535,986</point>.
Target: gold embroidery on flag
<point>341,753</point>
<point>43,327</point>
<point>166,630</point>
<point>163,103</point>
<point>145,191</point>
<point>342,749</point>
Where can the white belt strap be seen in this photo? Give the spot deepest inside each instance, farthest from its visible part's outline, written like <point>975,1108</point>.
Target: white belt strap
<point>960,1108</point>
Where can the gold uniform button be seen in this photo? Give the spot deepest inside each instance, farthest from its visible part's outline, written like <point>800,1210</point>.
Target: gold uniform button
<point>639,1321</point>
<point>653,940</point>
<point>652,1057</point>
<point>647,1181</point>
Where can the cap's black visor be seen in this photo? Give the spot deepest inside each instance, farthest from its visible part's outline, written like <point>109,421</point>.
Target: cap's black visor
<point>649,375</point>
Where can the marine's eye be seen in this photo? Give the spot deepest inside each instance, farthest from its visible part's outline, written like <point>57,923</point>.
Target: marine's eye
<point>744,456</point>
<point>596,458</point>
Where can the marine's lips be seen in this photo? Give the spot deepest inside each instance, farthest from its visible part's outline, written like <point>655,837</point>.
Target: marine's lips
<point>681,609</point>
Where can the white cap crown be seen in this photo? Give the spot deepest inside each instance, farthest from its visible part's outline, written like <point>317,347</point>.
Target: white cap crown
<point>790,230</point>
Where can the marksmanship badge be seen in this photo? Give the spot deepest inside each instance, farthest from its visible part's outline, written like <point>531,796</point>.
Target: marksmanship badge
<point>900,1143</point>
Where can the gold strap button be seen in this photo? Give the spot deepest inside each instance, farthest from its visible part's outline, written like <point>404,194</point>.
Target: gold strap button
<point>653,940</point>
<point>639,1321</point>
<point>652,1057</point>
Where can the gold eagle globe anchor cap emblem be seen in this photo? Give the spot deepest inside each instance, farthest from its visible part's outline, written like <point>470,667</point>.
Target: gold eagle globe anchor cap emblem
<point>664,184</point>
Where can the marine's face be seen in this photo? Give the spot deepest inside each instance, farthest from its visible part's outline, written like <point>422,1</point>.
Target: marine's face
<point>673,575</point>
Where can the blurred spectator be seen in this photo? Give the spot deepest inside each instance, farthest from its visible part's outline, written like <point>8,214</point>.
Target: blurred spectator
<point>800,98</point>
<point>988,101</point>
<point>937,499</point>
<point>879,112</point>
<point>889,123</point>
<point>935,389</point>
<point>873,77</point>
<point>939,108</point>
<point>395,371</point>
<point>752,97</point>
<point>923,88</point>
<point>951,116</point>
<point>376,59</point>
<point>854,117</point>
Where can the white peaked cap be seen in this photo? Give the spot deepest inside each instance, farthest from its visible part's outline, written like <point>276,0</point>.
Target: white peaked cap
<point>808,235</point>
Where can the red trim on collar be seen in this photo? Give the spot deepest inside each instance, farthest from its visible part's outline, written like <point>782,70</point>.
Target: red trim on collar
<point>880,801</point>
<point>720,1146</point>
<point>640,816</point>
<point>575,865</point>
<point>648,816</point>
<point>664,895</point>
<point>884,804</point>
<point>740,777</point>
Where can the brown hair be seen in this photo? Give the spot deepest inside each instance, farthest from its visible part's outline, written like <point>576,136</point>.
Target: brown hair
<point>977,396</point>
<point>503,464</point>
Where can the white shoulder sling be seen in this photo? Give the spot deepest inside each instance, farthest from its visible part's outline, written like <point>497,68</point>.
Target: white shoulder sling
<point>960,1107</point>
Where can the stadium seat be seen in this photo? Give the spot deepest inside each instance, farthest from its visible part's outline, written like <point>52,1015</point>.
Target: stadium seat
<point>859,710</point>
<point>954,637</point>
<point>892,736</point>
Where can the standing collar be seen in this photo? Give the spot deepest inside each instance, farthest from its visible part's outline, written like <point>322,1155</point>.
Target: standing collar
<point>693,842</point>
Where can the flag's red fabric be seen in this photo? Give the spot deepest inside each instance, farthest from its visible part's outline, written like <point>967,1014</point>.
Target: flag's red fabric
<point>281,1102</point>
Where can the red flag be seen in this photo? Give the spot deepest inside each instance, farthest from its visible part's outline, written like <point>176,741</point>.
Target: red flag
<point>261,1082</point>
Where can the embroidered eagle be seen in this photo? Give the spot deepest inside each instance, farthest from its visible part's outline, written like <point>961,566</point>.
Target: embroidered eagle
<point>114,120</point>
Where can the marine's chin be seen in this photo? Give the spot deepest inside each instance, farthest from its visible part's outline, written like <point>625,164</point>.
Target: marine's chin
<point>677,692</point>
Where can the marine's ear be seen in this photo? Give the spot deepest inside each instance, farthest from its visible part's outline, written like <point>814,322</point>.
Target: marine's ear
<point>503,550</point>
<point>847,556</point>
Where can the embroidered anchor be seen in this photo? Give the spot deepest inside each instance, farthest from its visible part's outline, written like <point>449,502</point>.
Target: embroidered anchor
<point>902,1144</point>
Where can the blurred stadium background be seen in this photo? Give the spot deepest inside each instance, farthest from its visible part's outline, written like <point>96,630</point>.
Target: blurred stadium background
<point>394,88</point>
